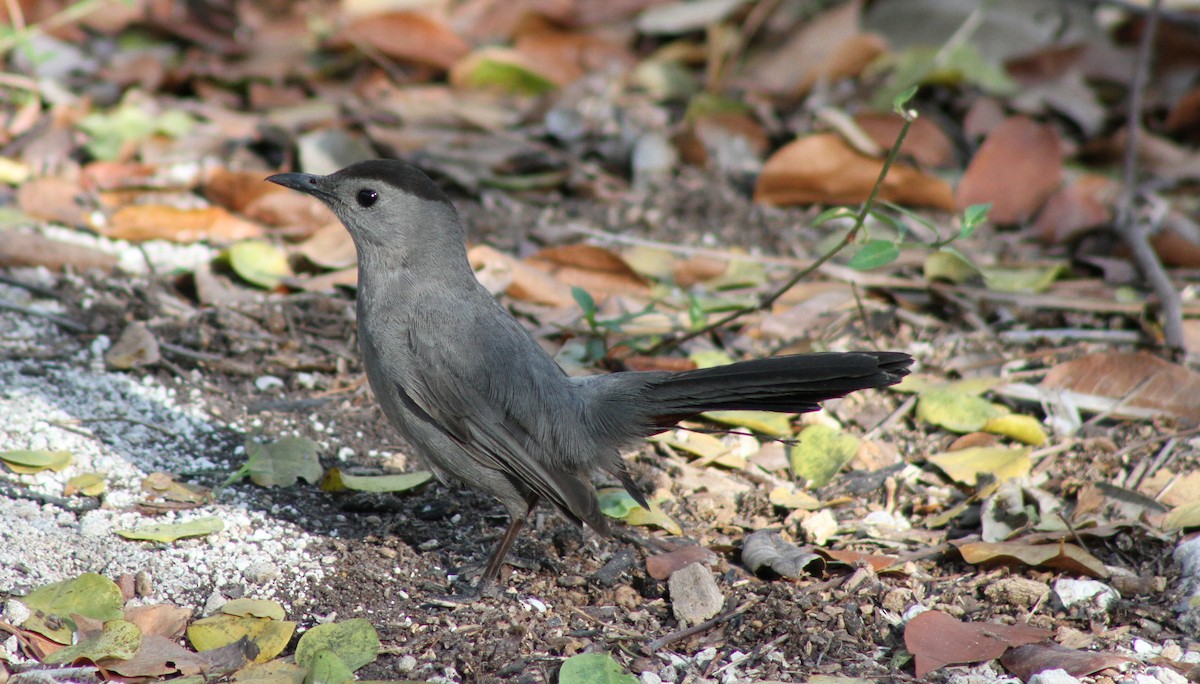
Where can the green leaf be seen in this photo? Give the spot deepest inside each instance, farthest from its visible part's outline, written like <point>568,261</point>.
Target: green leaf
<point>355,642</point>
<point>949,265</point>
<point>336,481</point>
<point>615,502</point>
<point>831,214</point>
<point>593,668</point>
<point>764,422</point>
<point>507,76</point>
<point>259,262</point>
<point>973,217</point>
<point>1022,280</point>
<point>119,639</point>
<point>873,254</point>
<point>28,461</point>
<point>585,301</point>
<point>900,102</point>
<point>328,668</point>
<point>821,453</point>
<point>957,411</point>
<point>283,462</point>
<point>169,532</point>
<point>89,595</point>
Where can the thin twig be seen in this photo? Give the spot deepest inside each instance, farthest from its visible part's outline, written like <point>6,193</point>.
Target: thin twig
<point>61,321</point>
<point>1134,231</point>
<point>668,639</point>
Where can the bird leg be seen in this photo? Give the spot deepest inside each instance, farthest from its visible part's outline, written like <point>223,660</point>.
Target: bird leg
<point>492,571</point>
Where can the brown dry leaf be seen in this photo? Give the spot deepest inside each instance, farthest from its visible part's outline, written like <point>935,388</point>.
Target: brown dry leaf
<point>599,271</point>
<point>330,247</point>
<point>1184,116</point>
<point>142,222</point>
<point>831,47</point>
<point>1030,659</point>
<point>1081,205</point>
<point>157,656</point>
<point>1017,168</point>
<point>936,639</point>
<point>111,175</point>
<point>823,169</point>
<point>524,281</point>
<point>162,619</point>
<point>53,199</point>
<point>326,282</point>
<point>1177,242</point>
<point>18,248</point>
<point>1134,379</point>
<point>846,557</point>
<point>661,566</point>
<point>235,190</point>
<point>566,57</point>
<point>925,142</point>
<point>412,37</point>
<point>1062,556</point>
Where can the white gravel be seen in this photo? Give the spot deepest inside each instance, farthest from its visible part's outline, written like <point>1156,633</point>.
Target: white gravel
<point>126,428</point>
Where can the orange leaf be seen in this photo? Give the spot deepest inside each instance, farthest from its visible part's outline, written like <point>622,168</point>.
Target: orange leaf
<point>925,142</point>
<point>595,269</point>
<point>142,222</point>
<point>1017,168</point>
<point>823,169</point>
<point>406,36</point>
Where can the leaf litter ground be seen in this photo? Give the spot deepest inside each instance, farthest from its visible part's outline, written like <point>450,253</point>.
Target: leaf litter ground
<point>387,558</point>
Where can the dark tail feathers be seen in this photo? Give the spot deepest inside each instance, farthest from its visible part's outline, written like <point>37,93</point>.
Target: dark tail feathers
<point>790,384</point>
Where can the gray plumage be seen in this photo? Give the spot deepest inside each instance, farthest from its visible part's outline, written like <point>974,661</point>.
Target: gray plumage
<point>479,399</point>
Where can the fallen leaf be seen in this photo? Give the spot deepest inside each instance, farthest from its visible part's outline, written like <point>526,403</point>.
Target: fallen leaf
<point>594,668</point>
<point>957,411</point>
<point>90,595</point>
<point>163,486</point>
<point>876,562</point>
<point>142,222</point>
<point>355,642</point>
<point>161,619</point>
<point>1016,169</point>
<point>259,262</point>
<point>269,636</point>
<point>88,484</point>
<point>169,532</point>
<point>660,566</point>
<point>1062,556</point>
<point>925,142</point>
<point>259,608</point>
<point>1081,205</point>
<point>600,271</point>
<point>766,550</point>
<point>1135,379</point>
<point>335,481</point>
<point>157,656</point>
<point>1024,429</point>
<point>823,169</point>
<point>820,453</point>
<point>615,502</point>
<point>119,639</point>
<point>966,465</point>
<point>503,70</point>
<point>29,461</point>
<point>413,37</point>
<point>329,247</point>
<point>519,280</point>
<point>136,347</point>
<point>281,463</point>
<point>936,639</point>
<point>1028,660</point>
<point>53,199</point>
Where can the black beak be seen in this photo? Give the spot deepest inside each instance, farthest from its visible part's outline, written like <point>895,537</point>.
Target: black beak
<point>308,183</point>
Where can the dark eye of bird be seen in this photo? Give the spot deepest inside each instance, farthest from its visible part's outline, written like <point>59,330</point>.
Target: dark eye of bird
<point>366,198</point>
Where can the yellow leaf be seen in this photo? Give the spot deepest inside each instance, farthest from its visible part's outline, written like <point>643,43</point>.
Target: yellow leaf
<point>1026,429</point>
<point>966,465</point>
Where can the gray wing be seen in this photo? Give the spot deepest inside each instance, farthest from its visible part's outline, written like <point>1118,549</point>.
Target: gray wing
<point>486,398</point>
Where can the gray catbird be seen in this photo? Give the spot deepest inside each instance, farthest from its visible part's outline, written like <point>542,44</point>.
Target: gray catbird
<point>479,399</point>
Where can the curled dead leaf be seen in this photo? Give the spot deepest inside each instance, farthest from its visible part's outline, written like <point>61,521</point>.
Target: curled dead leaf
<point>823,169</point>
